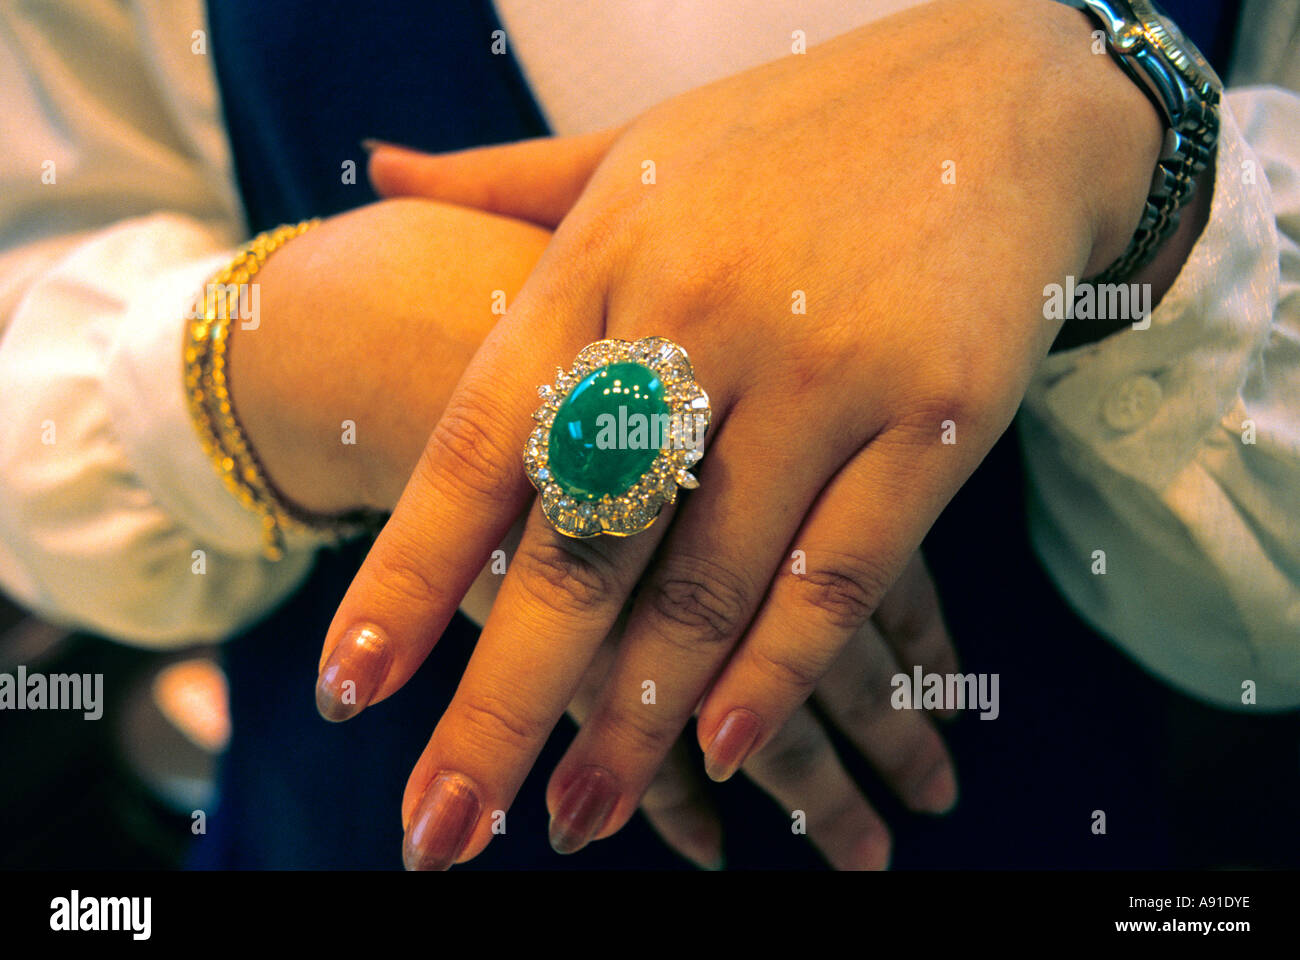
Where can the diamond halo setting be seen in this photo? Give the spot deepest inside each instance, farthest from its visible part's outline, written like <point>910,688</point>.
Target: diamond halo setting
<point>586,510</point>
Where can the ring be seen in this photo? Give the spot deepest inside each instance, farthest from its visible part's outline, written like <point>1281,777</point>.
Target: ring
<point>617,434</point>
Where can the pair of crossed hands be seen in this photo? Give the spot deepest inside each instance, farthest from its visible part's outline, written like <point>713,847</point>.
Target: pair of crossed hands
<point>820,173</point>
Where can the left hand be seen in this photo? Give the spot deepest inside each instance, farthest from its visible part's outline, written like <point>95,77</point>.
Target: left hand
<point>799,766</point>
<point>817,173</point>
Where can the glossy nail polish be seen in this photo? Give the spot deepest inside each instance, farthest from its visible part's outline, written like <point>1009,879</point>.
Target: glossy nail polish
<point>731,744</point>
<point>583,809</point>
<point>352,674</point>
<point>442,824</point>
<point>938,791</point>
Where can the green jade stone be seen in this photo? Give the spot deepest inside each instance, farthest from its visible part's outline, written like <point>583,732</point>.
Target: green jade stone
<point>608,431</point>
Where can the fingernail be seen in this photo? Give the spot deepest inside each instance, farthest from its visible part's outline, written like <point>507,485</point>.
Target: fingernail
<point>872,852</point>
<point>938,791</point>
<point>701,839</point>
<point>442,823</point>
<point>370,144</point>
<point>731,744</point>
<point>583,809</point>
<point>352,674</point>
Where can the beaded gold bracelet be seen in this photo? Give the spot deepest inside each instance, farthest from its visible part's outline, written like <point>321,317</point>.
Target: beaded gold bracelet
<point>225,297</point>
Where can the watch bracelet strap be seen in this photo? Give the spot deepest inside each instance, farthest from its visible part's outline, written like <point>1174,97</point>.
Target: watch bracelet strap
<point>1173,185</point>
<point>1184,155</point>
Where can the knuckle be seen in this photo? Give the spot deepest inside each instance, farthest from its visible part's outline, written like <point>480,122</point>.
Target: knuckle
<point>464,454</point>
<point>973,401</point>
<point>905,623</point>
<point>403,577</point>
<point>699,602</point>
<point>918,637</point>
<point>637,732</point>
<point>946,390</point>
<point>701,283</point>
<point>563,576</point>
<point>866,707</point>
<point>862,695</point>
<point>790,672</point>
<point>844,591</point>
<point>601,230</point>
<point>791,756</point>
<point>495,723</point>
<point>840,598</point>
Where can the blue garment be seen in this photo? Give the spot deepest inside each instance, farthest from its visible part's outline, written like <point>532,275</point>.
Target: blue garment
<point>302,82</point>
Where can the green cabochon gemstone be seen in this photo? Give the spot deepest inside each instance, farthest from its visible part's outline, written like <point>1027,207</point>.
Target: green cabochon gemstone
<point>608,431</point>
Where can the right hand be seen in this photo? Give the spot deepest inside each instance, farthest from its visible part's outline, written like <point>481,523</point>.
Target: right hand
<point>421,297</point>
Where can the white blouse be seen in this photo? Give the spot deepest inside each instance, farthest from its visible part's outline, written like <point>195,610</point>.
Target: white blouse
<point>118,200</point>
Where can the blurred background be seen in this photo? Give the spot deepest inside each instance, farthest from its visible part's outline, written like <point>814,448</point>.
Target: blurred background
<point>120,791</point>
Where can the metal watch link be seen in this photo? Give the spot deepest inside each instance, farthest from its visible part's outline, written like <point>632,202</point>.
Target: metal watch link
<point>1186,91</point>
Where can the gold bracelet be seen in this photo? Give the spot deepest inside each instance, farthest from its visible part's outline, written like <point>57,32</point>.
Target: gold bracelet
<point>225,297</point>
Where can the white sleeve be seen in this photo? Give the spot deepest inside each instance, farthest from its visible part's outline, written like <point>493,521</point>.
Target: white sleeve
<point>1172,454</point>
<point>116,203</point>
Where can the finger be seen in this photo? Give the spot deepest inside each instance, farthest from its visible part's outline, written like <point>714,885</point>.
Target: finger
<point>692,606</point>
<point>902,745</point>
<point>467,488</point>
<point>559,601</point>
<point>798,767</point>
<point>537,180</point>
<point>911,621</point>
<point>850,549</point>
<point>678,807</point>
<point>677,804</point>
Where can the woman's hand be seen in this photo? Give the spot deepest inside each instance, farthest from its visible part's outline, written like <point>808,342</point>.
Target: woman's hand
<point>799,767</point>
<point>347,310</point>
<point>816,179</point>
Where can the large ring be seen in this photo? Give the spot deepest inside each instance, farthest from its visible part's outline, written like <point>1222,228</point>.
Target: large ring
<point>617,434</point>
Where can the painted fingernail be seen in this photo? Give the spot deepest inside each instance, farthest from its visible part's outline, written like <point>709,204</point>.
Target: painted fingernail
<point>872,852</point>
<point>583,809</point>
<point>352,674</point>
<point>442,824</point>
<point>938,791</point>
<point>731,744</point>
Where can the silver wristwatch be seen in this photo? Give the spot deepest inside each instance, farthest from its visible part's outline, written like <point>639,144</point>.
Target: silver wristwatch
<point>1185,90</point>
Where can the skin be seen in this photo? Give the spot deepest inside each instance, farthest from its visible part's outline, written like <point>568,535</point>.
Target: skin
<point>925,306</point>
<point>424,290</point>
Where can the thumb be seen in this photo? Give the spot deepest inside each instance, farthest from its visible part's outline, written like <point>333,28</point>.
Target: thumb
<point>535,180</point>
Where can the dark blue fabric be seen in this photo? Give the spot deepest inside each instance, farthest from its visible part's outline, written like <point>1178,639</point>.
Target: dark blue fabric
<point>304,81</point>
<point>1210,24</point>
<point>1081,727</point>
